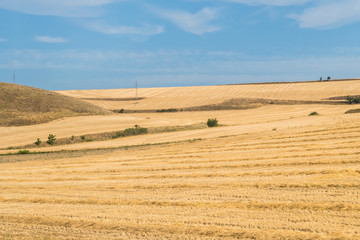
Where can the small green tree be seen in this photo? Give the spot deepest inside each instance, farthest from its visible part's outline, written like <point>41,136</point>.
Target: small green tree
<point>328,78</point>
<point>51,139</point>
<point>212,122</point>
<point>38,142</point>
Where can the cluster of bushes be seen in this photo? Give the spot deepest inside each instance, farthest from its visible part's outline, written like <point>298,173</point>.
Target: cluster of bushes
<point>136,130</point>
<point>167,110</point>
<point>51,140</point>
<point>353,100</point>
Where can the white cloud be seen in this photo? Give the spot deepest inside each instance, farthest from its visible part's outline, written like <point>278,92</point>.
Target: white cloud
<point>63,8</point>
<point>271,2</point>
<point>3,40</point>
<point>48,39</point>
<point>103,27</point>
<point>197,23</point>
<point>329,14</point>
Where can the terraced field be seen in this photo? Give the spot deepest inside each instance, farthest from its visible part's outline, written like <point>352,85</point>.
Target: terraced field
<point>272,172</point>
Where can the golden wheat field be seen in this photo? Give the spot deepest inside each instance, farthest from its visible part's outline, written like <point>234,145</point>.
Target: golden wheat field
<point>271,172</point>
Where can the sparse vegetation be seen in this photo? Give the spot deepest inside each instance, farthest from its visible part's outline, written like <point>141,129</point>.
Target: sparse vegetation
<point>24,152</point>
<point>136,130</point>
<point>313,114</point>
<point>167,110</point>
<point>353,111</point>
<point>212,122</point>
<point>353,99</point>
<point>51,139</point>
<point>38,142</point>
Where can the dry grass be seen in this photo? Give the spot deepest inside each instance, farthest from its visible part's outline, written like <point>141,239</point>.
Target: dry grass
<point>22,105</point>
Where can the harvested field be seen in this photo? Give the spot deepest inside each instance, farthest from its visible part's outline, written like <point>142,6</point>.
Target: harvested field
<point>271,172</point>
<point>299,184</point>
<point>183,97</point>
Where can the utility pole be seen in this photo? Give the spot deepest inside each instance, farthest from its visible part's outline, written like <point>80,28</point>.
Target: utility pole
<point>136,91</point>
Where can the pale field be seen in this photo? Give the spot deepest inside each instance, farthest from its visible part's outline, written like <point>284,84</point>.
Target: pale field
<point>301,183</point>
<point>268,173</point>
<point>181,97</point>
<point>236,122</point>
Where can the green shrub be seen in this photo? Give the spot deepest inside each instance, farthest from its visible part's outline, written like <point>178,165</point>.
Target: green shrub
<point>38,142</point>
<point>24,152</point>
<point>212,122</point>
<point>122,110</point>
<point>82,137</point>
<point>313,114</point>
<point>51,139</point>
<point>353,100</point>
<point>72,138</point>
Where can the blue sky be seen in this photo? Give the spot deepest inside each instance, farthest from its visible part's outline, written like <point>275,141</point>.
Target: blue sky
<point>97,44</point>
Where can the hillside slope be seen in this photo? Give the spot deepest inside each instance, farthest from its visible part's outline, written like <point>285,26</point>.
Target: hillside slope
<point>22,105</point>
<point>184,97</point>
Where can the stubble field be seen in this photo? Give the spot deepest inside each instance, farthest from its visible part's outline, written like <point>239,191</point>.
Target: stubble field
<point>272,172</point>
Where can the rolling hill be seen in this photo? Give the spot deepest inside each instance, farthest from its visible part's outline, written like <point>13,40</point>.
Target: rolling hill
<point>22,105</point>
<point>188,97</point>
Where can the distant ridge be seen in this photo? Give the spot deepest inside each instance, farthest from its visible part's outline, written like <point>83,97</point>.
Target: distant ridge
<point>289,82</point>
<point>23,105</point>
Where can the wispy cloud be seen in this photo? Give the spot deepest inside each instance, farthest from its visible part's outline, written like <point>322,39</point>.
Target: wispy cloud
<point>48,39</point>
<point>196,23</point>
<point>3,40</point>
<point>63,8</point>
<point>103,27</point>
<point>319,14</point>
<point>329,14</point>
<point>271,2</point>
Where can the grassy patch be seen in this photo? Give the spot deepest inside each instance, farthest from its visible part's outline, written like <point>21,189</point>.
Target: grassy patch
<point>167,110</point>
<point>24,152</point>
<point>136,130</point>
<point>353,111</point>
<point>313,114</point>
<point>22,105</point>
